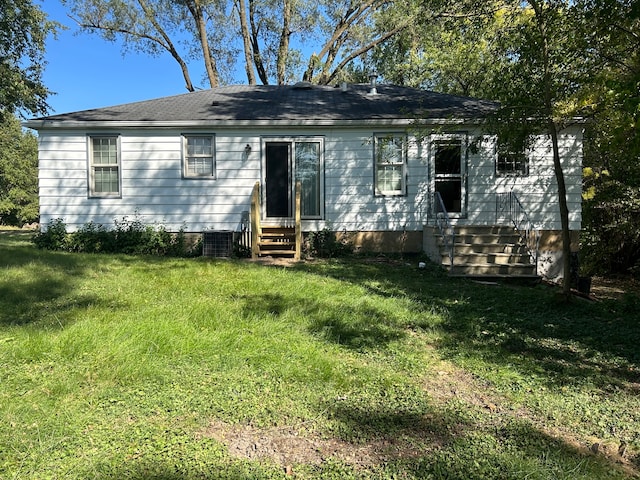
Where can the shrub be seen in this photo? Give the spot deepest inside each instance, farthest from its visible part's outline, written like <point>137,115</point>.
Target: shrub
<point>53,237</point>
<point>324,244</point>
<point>127,236</point>
<point>91,238</point>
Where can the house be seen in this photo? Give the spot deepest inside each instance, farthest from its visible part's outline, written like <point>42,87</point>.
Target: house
<point>394,169</point>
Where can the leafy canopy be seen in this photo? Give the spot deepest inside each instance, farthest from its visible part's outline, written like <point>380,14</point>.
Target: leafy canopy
<point>23,31</point>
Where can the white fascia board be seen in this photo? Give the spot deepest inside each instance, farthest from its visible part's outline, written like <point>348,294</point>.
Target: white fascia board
<point>55,124</point>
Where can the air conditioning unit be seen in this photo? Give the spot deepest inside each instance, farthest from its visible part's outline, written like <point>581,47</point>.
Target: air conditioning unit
<point>217,244</point>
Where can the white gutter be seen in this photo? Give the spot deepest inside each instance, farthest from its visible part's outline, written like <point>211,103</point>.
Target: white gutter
<point>158,124</point>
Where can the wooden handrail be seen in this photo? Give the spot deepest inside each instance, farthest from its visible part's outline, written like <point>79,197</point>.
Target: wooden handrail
<point>255,220</point>
<point>298,226</point>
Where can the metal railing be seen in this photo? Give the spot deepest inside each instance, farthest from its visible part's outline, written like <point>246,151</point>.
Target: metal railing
<point>447,232</point>
<point>509,205</point>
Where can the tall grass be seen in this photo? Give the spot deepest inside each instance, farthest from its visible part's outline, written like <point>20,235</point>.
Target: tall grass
<point>117,366</point>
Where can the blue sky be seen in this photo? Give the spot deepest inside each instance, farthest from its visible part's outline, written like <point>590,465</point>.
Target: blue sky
<point>86,71</point>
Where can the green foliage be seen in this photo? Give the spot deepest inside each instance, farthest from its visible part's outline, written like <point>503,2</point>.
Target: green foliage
<point>128,236</point>
<point>611,237</point>
<point>18,173</point>
<point>23,32</point>
<point>611,207</point>
<point>55,237</point>
<point>449,48</point>
<point>325,244</point>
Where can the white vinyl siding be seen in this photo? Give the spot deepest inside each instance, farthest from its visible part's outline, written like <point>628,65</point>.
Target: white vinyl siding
<point>153,187</point>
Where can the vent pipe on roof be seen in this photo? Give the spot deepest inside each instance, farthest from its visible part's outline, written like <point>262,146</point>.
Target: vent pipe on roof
<point>373,76</point>
<point>344,86</point>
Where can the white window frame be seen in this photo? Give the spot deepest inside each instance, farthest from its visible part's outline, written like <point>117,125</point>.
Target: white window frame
<point>211,175</point>
<point>320,180</point>
<point>379,164</point>
<point>514,159</point>
<point>93,166</point>
<point>291,141</point>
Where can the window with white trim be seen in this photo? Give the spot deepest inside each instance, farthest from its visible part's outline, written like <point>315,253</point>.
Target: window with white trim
<point>390,162</point>
<point>511,160</point>
<point>199,156</point>
<point>308,168</point>
<point>104,166</point>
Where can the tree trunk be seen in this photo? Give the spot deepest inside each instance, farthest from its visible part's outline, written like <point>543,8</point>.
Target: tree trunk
<point>337,39</point>
<point>564,211</point>
<point>195,8</point>
<point>246,41</point>
<point>165,43</point>
<point>255,46</point>
<point>552,128</point>
<point>283,47</point>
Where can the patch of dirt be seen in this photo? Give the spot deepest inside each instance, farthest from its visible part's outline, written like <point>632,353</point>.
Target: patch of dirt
<point>614,288</point>
<point>274,261</point>
<point>287,446</point>
<point>451,382</point>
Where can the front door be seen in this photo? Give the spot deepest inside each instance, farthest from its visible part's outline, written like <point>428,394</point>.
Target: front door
<point>449,167</point>
<point>278,179</point>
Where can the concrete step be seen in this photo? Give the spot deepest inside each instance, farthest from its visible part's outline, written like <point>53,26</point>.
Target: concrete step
<point>487,259</point>
<point>489,248</point>
<point>486,238</point>
<point>494,251</point>
<point>484,229</point>
<point>493,270</point>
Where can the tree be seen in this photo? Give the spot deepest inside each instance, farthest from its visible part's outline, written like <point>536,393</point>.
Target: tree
<point>450,50</point>
<point>18,173</point>
<point>271,37</point>
<point>23,31</point>
<point>153,28</point>
<point>531,56</point>
<point>612,151</point>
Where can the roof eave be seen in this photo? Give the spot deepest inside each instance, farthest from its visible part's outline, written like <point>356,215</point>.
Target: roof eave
<point>44,124</point>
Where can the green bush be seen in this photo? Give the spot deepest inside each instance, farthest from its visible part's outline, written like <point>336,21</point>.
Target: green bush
<point>54,237</point>
<point>127,236</point>
<point>91,238</point>
<point>324,244</point>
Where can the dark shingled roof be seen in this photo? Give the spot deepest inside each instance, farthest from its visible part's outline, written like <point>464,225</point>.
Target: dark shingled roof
<point>300,102</point>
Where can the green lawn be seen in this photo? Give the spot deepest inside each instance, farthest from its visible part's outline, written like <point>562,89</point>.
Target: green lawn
<point>116,367</point>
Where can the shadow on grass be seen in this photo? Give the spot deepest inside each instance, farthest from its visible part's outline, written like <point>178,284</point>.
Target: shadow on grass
<point>524,326</point>
<point>44,289</point>
<point>445,443</point>
<point>358,328</point>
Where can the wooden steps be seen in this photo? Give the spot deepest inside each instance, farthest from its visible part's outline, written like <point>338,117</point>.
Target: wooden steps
<point>277,241</point>
<point>488,252</point>
<point>283,241</point>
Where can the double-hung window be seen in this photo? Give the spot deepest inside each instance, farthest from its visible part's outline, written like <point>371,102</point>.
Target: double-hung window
<point>511,160</point>
<point>390,163</point>
<point>104,166</point>
<point>199,156</point>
